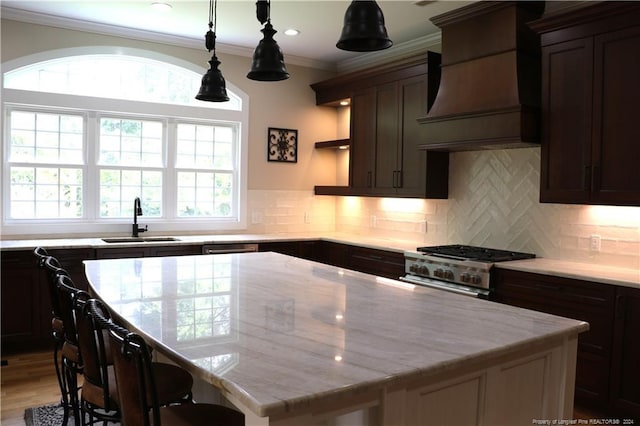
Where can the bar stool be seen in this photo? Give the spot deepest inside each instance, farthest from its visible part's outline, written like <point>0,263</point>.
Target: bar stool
<point>138,385</point>
<point>100,393</point>
<point>53,269</point>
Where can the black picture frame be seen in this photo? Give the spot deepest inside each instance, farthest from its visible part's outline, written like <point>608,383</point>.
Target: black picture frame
<point>282,145</point>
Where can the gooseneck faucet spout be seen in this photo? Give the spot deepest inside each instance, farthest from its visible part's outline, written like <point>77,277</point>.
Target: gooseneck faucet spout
<point>137,211</point>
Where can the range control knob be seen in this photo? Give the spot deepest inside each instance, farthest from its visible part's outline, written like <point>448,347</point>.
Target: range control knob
<point>414,268</point>
<point>424,270</point>
<point>448,275</point>
<point>439,273</point>
<point>476,279</point>
<point>465,277</point>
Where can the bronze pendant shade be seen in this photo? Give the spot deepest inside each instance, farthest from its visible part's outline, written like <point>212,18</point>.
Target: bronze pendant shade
<point>268,61</point>
<point>213,87</point>
<point>364,29</point>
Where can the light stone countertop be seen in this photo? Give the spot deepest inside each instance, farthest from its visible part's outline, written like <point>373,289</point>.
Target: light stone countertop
<point>556,267</point>
<point>280,333</point>
<point>582,271</point>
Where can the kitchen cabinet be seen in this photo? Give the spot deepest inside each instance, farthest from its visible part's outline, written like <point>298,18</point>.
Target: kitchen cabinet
<point>385,157</point>
<point>607,371</point>
<point>625,369</point>
<point>147,251</point>
<point>385,105</point>
<point>331,253</point>
<point>382,263</point>
<point>22,294</point>
<point>302,249</point>
<point>26,300</point>
<point>577,299</point>
<point>590,67</point>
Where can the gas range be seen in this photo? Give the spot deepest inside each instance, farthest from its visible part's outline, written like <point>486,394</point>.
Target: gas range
<point>457,268</point>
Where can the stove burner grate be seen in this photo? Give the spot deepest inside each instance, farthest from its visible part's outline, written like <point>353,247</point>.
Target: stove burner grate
<point>480,254</point>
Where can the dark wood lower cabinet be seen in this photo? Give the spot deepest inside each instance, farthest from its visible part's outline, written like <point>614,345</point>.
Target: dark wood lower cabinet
<point>608,361</point>
<point>625,369</point>
<point>26,300</point>
<point>383,263</point>
<point>22,295</point>
<point>147,251</point>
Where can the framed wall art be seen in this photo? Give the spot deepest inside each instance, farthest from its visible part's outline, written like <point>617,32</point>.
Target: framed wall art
<point>282,145</point>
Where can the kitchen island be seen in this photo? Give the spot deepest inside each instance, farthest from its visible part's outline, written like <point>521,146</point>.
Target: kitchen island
<point>294,342</point>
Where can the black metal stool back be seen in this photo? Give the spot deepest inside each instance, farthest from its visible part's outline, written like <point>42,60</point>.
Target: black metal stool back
<point>99,393</point>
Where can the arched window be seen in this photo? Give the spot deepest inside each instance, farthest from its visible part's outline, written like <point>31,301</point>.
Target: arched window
<point>85,134</point>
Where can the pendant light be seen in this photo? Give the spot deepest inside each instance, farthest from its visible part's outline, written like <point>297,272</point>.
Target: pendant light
<point>213,88</point>
<point>364,29</point>
<point>268,62</point>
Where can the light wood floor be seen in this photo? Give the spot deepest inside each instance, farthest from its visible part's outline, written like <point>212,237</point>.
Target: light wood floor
<point>29,380</point>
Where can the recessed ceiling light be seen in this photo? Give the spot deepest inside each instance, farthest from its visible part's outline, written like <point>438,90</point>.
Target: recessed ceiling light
<point>163,7</point>
<point>344,103</point>
<point>291,32</point>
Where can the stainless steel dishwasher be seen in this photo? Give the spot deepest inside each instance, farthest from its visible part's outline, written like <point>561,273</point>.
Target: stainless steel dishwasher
<point>223,248</point>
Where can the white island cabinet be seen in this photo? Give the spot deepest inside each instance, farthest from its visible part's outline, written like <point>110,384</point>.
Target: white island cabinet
<point>294,342</point>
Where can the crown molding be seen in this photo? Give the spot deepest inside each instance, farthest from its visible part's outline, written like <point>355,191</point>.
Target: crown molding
<point>402,50</point>
<point>144,35</point>
<point>366,60</point>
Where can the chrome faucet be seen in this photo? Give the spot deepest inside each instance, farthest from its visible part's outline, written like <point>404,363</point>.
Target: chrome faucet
<point>137,211</point>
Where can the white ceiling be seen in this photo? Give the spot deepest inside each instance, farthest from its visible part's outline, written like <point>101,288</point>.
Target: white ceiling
<point>319,22</point>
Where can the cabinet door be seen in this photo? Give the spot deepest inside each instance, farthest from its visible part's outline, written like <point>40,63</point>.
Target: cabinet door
<point>179,250</point>
<point>582,300</point>
<point>625,371</point>
<point>363,133</point>
<point>331,253</point>
<point>376,262</point>
<point>21,303</point>
<point>567,76</point>
<point>616,131</point>
<point>387,139</point>
<point>120,253</point>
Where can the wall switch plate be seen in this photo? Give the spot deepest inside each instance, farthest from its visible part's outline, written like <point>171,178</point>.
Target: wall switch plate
<point>594,243</point>
<point>307,217</point>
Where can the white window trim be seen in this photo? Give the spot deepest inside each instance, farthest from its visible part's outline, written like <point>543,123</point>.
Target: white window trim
<point>91,225</point>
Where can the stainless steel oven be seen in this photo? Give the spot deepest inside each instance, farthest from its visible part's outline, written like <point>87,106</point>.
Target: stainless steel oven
<point>459,269</point>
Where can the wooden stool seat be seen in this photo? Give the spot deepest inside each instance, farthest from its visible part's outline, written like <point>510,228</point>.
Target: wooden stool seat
<point>199,414</point>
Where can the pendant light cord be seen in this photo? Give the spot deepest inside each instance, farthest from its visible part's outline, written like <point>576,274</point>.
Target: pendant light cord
<point>213,15</point>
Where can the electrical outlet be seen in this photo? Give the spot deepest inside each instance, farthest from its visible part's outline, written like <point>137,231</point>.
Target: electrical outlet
<point>594,243</point>
<point>256,217</point>
<point>374,221</point>
<point>307,217</point>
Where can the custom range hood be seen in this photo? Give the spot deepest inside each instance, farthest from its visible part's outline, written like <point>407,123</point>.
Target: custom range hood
<point>489,94</point>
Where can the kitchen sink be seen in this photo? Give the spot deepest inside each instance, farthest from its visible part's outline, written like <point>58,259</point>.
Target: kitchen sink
<point>139,239</point>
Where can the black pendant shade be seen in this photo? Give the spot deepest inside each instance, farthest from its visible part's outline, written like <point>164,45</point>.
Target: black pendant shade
<point>364,29</point>
<point>213,87</point>
<point>268,61</point>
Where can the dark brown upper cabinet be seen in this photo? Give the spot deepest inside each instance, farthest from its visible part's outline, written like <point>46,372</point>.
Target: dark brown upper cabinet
<point>385,104</point>
<point>590,92</point>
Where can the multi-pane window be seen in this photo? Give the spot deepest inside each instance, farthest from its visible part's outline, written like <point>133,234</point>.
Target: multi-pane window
<point>205,167</point>
<point>68,155</point>
<point>46,158</point>
<point>130,164</point>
